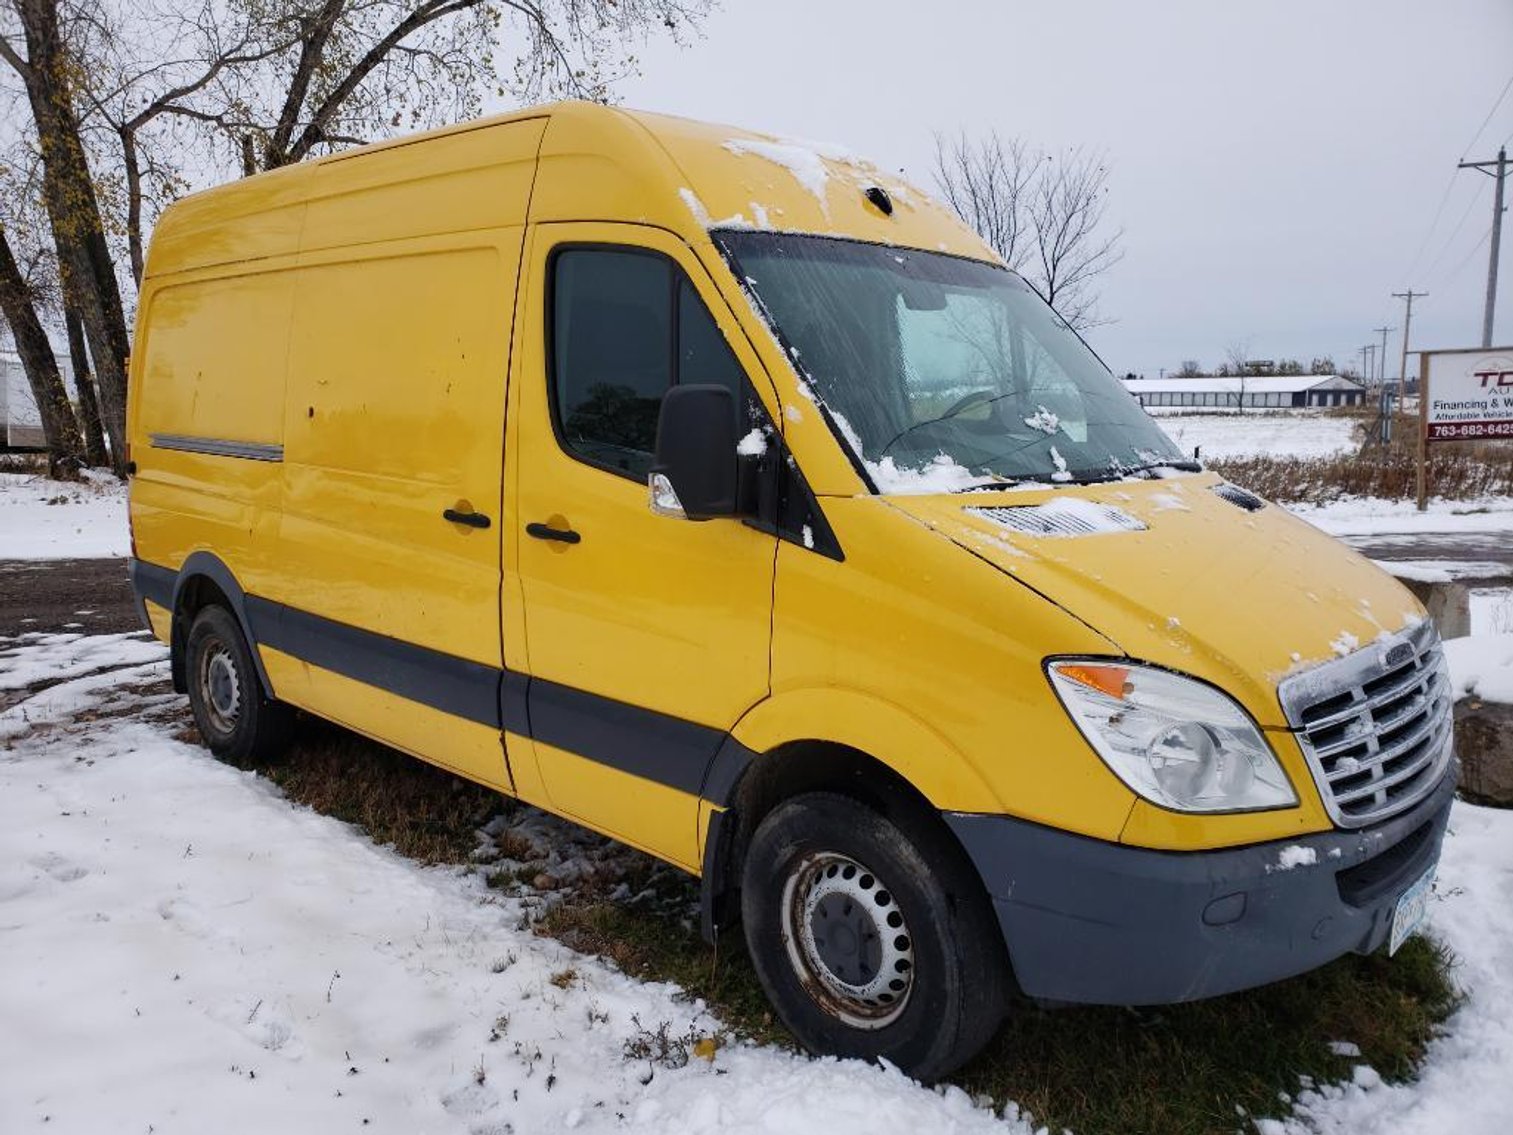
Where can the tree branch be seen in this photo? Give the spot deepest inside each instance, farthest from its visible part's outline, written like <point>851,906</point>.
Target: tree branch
<point>19,65</point>
<point>427,13</point>
<point>312,50</point>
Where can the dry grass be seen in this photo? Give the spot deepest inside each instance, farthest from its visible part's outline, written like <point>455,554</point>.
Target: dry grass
<point>1456,471</point>
<point>426,814</point>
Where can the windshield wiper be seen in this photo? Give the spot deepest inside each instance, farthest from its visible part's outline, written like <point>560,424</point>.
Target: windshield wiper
<point>1181,464</point>
<point>961,407</point>
<point>1119,472</point>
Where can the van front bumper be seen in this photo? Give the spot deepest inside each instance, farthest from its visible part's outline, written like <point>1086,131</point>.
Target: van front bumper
<point>1103,923</point>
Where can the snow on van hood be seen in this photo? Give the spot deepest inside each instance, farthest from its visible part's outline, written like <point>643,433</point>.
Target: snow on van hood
<point>1175,574</point>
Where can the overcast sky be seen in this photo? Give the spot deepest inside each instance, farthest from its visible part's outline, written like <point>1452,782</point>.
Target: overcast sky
<point>1276,166</point>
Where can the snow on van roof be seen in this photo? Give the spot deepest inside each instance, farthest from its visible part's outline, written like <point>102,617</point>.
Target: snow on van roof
<point>806,166</point>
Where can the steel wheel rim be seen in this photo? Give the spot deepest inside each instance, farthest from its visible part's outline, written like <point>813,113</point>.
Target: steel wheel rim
<point>847,940</point>
<point>220,687</point>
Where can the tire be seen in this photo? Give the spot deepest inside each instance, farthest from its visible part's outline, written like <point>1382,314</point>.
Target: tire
<point>237,721</point>
<point>929,984</point>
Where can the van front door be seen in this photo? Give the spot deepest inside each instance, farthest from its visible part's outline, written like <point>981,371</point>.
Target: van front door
<point>646,637</point>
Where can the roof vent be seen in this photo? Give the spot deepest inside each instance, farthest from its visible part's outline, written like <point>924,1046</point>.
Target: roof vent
<point>1240,498</point>
<point>879,197</point>
<point>1062,516</point>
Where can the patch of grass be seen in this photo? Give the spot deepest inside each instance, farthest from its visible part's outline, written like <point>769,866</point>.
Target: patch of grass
<point>27,463</point>
<point>1456,471</point>
<point>424,812</point>
<point>1183,1069</point>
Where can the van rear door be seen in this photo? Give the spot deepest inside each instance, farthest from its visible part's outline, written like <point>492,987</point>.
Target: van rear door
<point>647,637</point>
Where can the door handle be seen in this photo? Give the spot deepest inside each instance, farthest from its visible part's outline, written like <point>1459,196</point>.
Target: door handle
<point>547,532</point>
<point>471,519</point>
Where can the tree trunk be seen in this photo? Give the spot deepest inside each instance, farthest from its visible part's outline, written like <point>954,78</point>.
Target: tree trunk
<point>89,279</point>
<point>84,383</point>
<point>60,429</point>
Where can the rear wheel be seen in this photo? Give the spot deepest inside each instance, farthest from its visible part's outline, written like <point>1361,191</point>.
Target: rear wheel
<point>872,940</point>
<point>235,718</point>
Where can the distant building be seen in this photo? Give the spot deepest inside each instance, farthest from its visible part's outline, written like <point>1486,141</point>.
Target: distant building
<point>20,420</point>
<point>1261,392</point>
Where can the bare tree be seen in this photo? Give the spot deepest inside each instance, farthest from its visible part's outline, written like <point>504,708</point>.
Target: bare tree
<point>1045,215</point>
<point>60,429</point>
<point>1238,354</point>
<point>24,219</point>
<point>95,453</point>
<point>988,184</point>
<point>47,73</point>
<point>1073,245</point>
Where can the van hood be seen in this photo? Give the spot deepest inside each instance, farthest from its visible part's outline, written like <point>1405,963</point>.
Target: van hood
<point>1185,572</point>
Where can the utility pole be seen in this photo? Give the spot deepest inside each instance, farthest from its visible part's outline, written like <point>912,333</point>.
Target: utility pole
<point>1501,165</point>
<point>1384,399</point>
<point>1381,359</point>
<point>1407,297</point>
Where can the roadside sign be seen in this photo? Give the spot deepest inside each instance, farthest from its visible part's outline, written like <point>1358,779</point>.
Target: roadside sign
<point>1463,396</point>
<point>1471,394</point>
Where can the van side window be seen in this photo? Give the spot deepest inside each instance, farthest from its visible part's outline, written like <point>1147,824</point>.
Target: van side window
<point>626,325</point>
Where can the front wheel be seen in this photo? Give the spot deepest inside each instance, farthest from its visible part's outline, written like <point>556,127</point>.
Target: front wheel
<point>235,718</point>
<point>872,941</point>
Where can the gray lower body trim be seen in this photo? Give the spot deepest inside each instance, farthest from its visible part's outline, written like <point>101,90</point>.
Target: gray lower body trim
<point>442,681</point>
<point>643,742</point>
<point>1102,923</point>
<point>148,581</point>
<point>218,447</point>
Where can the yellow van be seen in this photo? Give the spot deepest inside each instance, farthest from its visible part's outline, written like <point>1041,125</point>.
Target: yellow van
<point>726,495</point>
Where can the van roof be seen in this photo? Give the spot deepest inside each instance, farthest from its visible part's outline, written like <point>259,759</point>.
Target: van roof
<point>596,163</point>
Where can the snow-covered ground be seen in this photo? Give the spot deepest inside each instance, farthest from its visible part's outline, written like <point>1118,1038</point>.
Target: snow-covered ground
<point>185,951</point>
<point>1296,434</point>
<point>1482,664</point>
<point>1368,516</point>
<point>51,520</point>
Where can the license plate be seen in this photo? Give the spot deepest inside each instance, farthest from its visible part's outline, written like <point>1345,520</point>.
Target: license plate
<point>1409,913</point>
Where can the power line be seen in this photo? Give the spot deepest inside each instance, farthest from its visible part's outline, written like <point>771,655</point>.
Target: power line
<point>1434,224</point>
<point>1497,102</point>
<point>1444,198</point>
<point>1455,232</point>
<point>1475,248</point>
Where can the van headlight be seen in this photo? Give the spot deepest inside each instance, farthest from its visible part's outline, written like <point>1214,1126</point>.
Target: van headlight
<point>1175,741</point>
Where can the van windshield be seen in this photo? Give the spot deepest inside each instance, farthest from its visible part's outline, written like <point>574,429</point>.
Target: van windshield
<point>943,373</point>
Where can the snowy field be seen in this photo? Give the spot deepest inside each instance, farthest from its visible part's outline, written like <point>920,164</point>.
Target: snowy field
<point>1361,516</point>
<point>1300,434</point>
<point>188,952</point>
<point>53,520</point>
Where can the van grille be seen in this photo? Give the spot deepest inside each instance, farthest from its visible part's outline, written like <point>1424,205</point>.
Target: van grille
<point>1375,725</point>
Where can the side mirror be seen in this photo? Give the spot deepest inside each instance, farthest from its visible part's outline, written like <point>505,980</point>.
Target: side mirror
<point>695,472</point>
